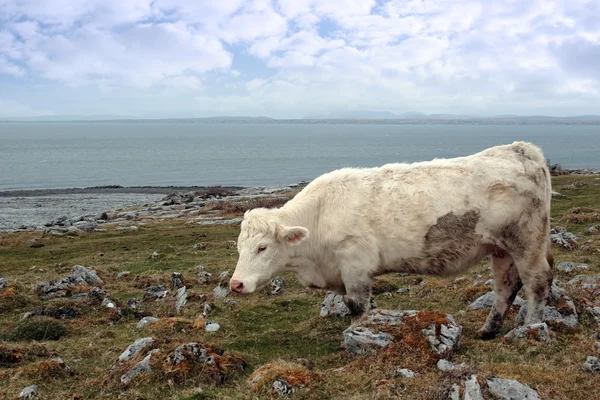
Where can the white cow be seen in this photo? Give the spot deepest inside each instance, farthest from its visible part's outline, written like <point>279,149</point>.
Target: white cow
<point>436,218</point>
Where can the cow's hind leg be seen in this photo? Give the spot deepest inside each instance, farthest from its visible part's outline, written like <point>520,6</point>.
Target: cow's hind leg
<point>506,286</point>
<point>536,273</point>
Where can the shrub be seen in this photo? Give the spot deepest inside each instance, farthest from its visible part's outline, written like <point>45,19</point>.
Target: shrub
<point>36,328</point>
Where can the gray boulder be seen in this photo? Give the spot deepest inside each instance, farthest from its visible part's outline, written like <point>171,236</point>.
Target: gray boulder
<point>538,331</point>
<point>365,335</point>
<point>3,284</point>
<point>193,352</point>
<point>204,277</point>
<point>570,267</point>
<point>221,291</point>
<point>282,387</point>
<point>85,226</point>
<point>181,299</point>
<point>472,389</point>
<point>509,389</point>
<point>592,364</point>
<point>177,280</point>
<point>446,366</point>
<point>559,311</point>
<point>335,305</point>
<point>361,340</point>
<point>136,348</point>
<point>140,368</point>
<point>275,286</point>
<point>30,392</point>
<point>80,275</point>
<point>146,321</point>
<point>487,300</point>
<point>406,373</point>
<point>564,239</point>
<point>155,293</point>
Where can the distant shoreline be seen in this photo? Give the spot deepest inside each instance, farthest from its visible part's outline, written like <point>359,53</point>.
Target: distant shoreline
<point>585,120</point>
<point>110,189</point>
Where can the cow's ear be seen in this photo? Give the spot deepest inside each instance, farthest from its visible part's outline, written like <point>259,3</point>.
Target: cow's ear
<point>292,234</point>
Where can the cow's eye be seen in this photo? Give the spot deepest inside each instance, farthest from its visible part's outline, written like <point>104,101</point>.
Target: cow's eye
<point>261,249</point>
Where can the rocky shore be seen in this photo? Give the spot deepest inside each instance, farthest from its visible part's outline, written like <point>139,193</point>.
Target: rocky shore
<point>85,209</point>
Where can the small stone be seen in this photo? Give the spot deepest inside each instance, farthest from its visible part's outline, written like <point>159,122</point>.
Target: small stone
<point>455,392</point>
<point>509,389</point>
<point>570,267</point>
<point>472,389</point>
<point>276,286</point>
<point>334,304</point>
<point>592,364</point>
<point>564,239</point>
<point>204,277</point>
<point>108,303</point>
<point>538,331</point>
<point>557,195</point>
<point>459,280</point>
<point>282,387</point>
<point>221,291</point>
<point>155,293</point>
<point>155,255</point>
<point>127,228</point>
<point>136,348</point>
<point>402,290</point>
<point>181,297</point>
<point>406,373</point>
<point>489,282</point>
<point>211,326</point>
<point>138,369</point>
<point>146,321</point>
<point>133,304</point>
<point>123,274</point>
<point>593,230</point>
<point>231,302</point>
<point>30,392</point>
<point>487,300</point>
<point>3,284</point>
<point>206,309</point>
<point>360,340</point>
<point>446,366</point>
<point>177,280</point>
<point>224,277</point>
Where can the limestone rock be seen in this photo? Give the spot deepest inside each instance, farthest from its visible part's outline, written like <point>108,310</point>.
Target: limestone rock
<point>334,304</point>
<point>136,348</point>
<point>366,335</point>
<point>564,239</point>
<point>177,280</point>
<point>446,366</point>
<point>181,299</point>
<point>538,331</point>
<point>560,310</point>
<point>487,300</point>
<point>282,387</point>
<point>155,293</point>
<point>570,267</point>
<point>472,389</point>
<point>276,286</point>
<point>221,291</point>
<point>510,389</point>
<point>406,373</point>
<point>30,392</point>
<point>592,364</point>
<point>146,321</point>
<point>80,275</point>
<point>138,369</point>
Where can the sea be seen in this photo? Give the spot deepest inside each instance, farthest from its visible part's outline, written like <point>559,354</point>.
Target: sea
<point>50,155</point>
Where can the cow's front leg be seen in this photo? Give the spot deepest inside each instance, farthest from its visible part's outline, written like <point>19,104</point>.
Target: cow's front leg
<point>358,293</point>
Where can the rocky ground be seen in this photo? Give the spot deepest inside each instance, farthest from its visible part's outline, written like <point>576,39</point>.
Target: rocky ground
<point>134,304</point>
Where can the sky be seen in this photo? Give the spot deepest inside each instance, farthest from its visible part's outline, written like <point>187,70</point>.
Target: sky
<point>298,58</point>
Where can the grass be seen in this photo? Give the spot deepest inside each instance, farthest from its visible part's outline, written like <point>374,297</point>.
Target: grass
<point>264,329</point>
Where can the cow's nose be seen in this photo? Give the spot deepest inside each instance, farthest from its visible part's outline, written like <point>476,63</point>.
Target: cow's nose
<point>236,286</point>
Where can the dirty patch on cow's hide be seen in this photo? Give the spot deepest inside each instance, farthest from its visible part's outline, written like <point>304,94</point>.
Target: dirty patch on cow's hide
<point>448,242</point>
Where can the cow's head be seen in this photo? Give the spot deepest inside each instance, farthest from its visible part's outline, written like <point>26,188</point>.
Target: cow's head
<point>265,247</point>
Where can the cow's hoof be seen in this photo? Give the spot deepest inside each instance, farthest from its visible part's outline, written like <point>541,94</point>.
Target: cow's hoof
<point>485,335</point>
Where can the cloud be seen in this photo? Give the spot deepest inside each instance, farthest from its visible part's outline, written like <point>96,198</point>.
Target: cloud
<point>296,57</point>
